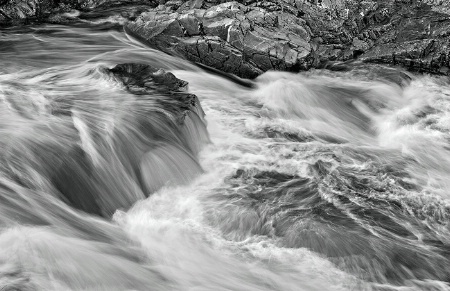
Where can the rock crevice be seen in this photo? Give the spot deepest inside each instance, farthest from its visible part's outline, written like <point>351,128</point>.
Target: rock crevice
<point>232,37</point>
<point>247,38</point>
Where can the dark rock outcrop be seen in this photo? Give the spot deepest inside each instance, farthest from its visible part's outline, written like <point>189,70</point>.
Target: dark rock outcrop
<point>142,79</point>
<point>249,37</point>
<point>139,78</point>
<point>412,34</point>
<point>232,37</point>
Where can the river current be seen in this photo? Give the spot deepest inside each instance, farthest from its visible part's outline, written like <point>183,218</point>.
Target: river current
<point>320,180</point>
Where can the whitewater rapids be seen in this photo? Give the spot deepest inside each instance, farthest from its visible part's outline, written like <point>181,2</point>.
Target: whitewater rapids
<point>319,180</point>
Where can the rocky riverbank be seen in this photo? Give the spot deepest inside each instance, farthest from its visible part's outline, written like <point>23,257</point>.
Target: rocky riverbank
<point>249,37</point>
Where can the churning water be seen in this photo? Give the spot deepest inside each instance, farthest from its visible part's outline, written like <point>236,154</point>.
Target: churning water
<point>313,181</point>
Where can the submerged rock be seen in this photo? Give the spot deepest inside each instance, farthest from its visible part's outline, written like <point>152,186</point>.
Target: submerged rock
<point>150,139</point>
<point>141,79</point>
<point>138,77</point>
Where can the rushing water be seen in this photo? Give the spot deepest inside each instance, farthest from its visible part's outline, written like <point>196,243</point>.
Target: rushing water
<point>313,181</point>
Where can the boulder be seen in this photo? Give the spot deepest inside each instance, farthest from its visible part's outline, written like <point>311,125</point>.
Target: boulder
<point>416,40</point>
<point>231,37</point>
<point>143,79</point>
<point>249,37</point>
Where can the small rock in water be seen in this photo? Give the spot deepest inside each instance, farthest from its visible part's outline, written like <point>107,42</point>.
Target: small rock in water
<point>135,76</point>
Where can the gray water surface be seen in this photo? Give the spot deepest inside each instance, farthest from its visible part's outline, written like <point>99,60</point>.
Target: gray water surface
<point>311,181</point>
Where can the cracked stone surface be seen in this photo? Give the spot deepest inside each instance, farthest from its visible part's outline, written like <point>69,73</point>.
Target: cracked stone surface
<point>249,37</point>
<point>410,33</point>
<point>231,37</point>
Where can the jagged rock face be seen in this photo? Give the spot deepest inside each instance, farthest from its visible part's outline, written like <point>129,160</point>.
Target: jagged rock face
<point>410,33</point>
<point>418,38</point>
<point>250,37</point>
<point>231,37</point>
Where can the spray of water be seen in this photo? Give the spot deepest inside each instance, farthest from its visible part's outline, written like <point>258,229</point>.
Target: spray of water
<point>312,181</point>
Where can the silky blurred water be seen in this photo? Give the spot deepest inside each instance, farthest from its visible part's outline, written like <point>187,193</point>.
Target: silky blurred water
<point>319,180</point>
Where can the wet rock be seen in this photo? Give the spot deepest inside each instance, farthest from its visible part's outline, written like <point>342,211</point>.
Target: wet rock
<point>232,37</point>
<point>415,37</point>
<point>142,79</point>
<point>139,77</point>
<point>409,33</point>
<point>249,37</point>
<point>427,55</point>
<point>169,128</point>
